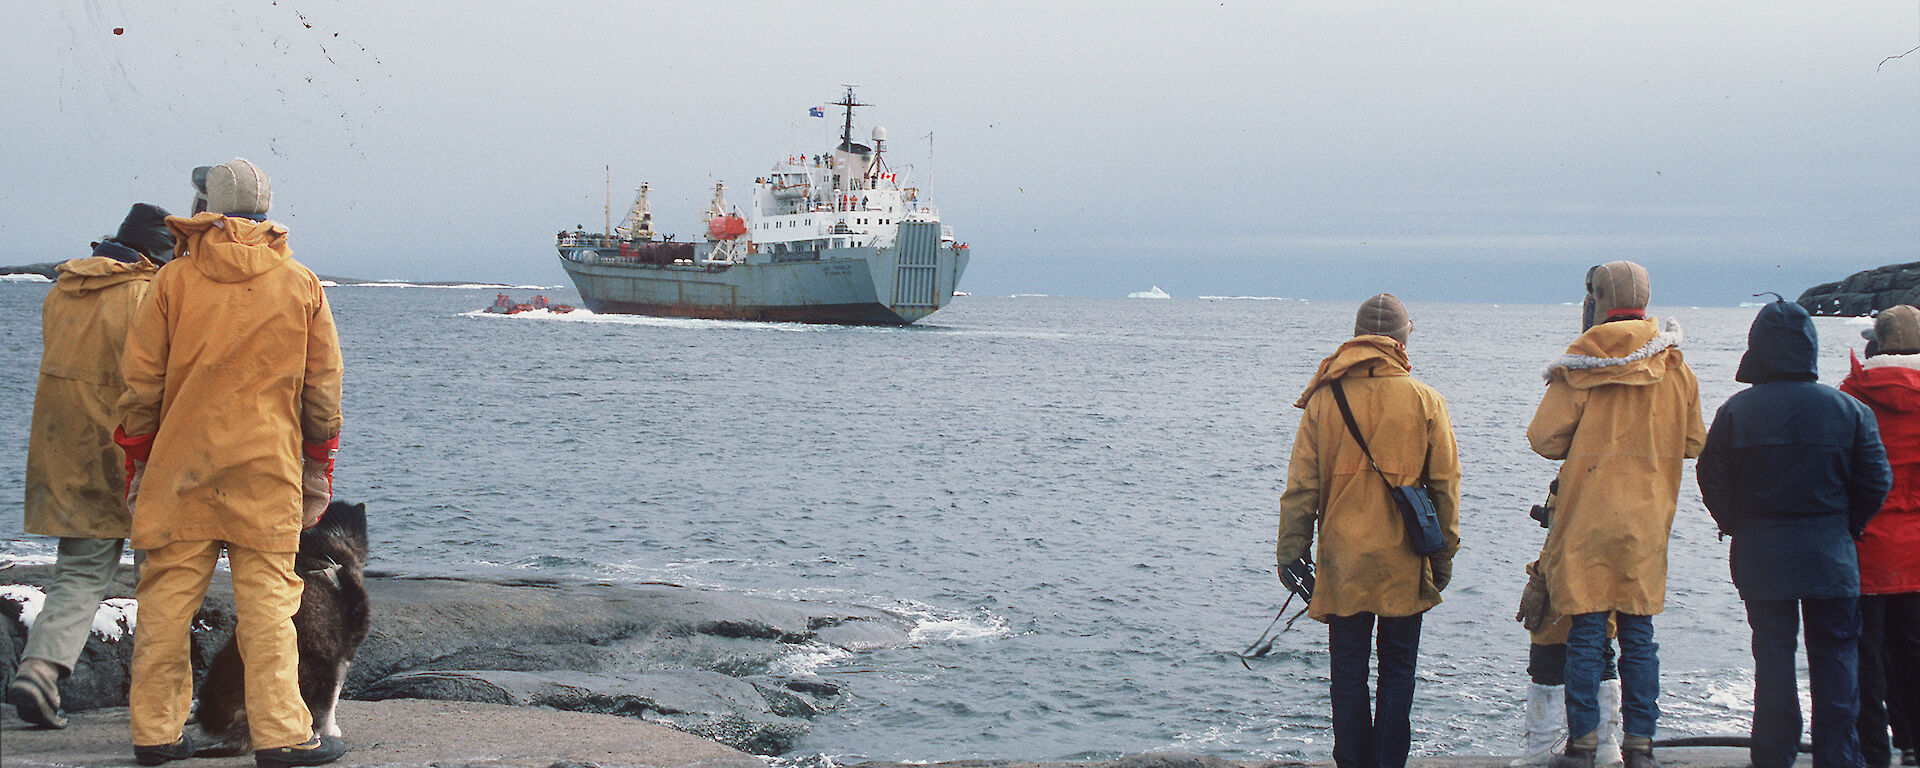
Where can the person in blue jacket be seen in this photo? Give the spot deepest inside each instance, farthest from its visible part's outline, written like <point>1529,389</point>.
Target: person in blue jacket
<point>1793,470</point>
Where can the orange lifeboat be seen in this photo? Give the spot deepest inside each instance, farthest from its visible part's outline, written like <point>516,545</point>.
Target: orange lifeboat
<point>726,227</point>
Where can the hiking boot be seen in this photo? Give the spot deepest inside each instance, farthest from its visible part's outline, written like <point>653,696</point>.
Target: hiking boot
<point>180,749</point>
<point>1578,754</point>
<point>35,693</point>
<point>318,750</point>
<point>1572,758</point>
<point>1638,752</point>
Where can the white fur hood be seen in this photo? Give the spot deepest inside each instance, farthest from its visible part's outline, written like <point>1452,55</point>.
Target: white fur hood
<point>1891,361</point>
<point>1669,336</point>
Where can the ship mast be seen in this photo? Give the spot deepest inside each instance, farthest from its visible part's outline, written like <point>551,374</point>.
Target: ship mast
<point>846,130</point>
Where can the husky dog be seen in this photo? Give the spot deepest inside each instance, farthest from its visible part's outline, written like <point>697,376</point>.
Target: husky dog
<point>332,621</point>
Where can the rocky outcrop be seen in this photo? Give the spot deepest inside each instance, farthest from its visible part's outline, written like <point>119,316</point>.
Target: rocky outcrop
<point>46,270</point>
<point>1864,293</point>
<point>712,663</point>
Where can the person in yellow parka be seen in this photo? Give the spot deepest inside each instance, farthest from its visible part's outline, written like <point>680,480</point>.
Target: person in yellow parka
<point>229,423</point>
<point>1367,572</point>
<point>1622,410</point>
<point>74,481</point>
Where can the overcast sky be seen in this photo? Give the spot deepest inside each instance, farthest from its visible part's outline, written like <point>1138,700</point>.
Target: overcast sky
<point>1444,151</point>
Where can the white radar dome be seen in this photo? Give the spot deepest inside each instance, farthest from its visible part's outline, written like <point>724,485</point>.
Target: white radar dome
<point>879,133</point>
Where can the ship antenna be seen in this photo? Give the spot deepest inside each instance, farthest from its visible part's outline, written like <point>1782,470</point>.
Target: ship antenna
<point>846,131</point>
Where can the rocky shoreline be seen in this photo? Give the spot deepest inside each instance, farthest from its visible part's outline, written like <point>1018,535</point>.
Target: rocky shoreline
<point>709,663</point>
<point>462,673</point>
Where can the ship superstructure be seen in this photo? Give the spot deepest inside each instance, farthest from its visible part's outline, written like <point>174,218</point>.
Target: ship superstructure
<point>835,237</point>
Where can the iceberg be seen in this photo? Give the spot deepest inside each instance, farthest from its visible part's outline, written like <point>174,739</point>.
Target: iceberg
<point>1156,293</point>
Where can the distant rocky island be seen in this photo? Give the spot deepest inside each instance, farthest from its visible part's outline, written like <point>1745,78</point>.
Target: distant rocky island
<point>1866,292</point>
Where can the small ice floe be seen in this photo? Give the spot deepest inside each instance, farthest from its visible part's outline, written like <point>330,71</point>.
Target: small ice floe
<point>24,278</point>
<point>1156,293</point>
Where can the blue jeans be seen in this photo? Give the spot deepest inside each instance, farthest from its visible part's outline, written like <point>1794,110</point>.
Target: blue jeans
<point>1833,630</point>
<point>1639,673</point>
<point>1372,731</point>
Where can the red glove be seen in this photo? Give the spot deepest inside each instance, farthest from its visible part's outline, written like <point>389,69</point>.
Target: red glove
<point>137,448</point>
<point>316,479</point>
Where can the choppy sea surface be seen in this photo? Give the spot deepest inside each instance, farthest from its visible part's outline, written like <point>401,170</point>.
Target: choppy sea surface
<point>1075,499</point>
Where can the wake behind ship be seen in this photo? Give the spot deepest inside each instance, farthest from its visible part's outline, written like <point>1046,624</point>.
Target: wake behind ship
<point>831,238</point>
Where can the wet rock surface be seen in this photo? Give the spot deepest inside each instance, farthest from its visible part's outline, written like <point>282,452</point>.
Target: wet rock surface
<point>705,662</point>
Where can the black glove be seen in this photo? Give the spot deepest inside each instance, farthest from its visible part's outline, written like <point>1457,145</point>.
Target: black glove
<point>1442,573</point>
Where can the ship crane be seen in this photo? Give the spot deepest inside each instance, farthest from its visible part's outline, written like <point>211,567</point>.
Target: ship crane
<point>638,225</point>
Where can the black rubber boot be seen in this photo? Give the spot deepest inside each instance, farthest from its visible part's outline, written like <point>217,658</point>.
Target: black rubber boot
<point>179,750</point>
<point>319,750</point>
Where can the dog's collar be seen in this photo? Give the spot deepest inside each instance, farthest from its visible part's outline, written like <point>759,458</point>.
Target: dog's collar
<point>330,572</point>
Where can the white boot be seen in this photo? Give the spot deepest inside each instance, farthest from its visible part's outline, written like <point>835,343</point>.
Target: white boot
<point>1609,751</point>
<point>1546,723</point>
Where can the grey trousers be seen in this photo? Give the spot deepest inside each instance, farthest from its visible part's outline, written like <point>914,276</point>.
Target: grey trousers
<point>81,573</point>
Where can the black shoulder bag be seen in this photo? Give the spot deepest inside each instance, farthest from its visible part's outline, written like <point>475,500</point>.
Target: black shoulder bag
<point>1414,501</point>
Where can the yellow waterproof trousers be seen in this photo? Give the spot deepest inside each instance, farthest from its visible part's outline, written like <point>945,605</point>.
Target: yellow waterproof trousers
<point>266,593</point>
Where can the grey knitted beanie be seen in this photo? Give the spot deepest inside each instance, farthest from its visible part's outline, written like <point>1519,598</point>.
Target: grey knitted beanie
<point>1385,315</point>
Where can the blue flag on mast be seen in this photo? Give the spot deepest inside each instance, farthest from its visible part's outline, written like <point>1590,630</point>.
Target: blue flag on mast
<point>816,112</point>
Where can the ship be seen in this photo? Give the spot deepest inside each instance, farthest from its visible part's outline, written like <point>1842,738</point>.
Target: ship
<point>839,237</point>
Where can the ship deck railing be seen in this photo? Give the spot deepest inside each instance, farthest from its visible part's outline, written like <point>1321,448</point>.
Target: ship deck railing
<point>579,239</point>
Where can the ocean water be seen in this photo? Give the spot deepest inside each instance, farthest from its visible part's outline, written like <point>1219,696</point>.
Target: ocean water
<point>1074,499</point>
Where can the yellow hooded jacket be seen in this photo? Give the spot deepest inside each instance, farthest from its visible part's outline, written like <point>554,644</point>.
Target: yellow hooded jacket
<point>232,362</point>
<point>1623,410</point>
<point>1365,561</point>
<point>75,479</point>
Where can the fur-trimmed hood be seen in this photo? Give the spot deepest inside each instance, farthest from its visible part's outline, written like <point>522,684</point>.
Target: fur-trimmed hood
<point>1885,382</point>
<point>1632,352</point>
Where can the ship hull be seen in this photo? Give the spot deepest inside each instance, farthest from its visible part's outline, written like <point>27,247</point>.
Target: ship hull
<point>896,285</point>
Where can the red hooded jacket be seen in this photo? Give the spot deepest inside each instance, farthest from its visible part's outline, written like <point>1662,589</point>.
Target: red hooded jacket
<point>1890,548</point>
